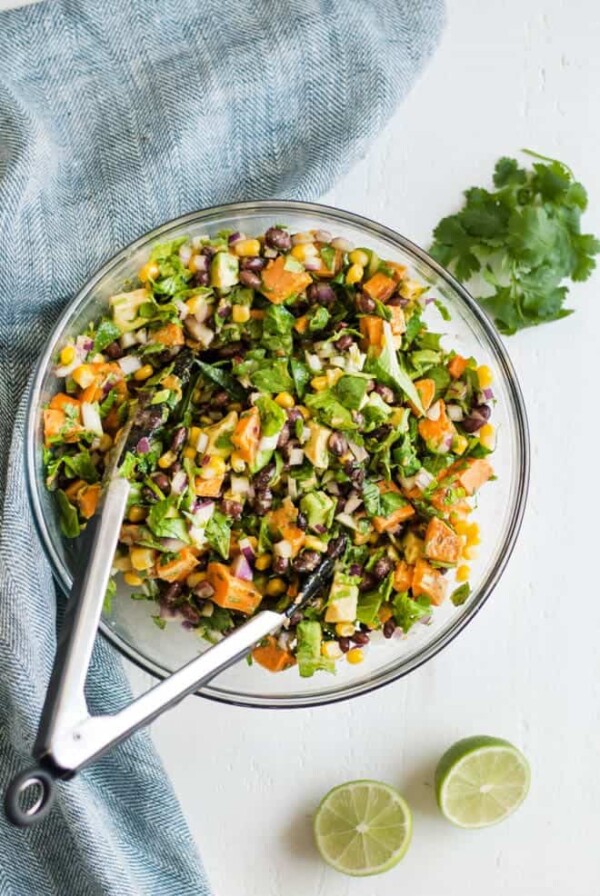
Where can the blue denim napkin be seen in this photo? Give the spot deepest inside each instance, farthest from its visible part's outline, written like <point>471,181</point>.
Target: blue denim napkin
<point>116,116</point>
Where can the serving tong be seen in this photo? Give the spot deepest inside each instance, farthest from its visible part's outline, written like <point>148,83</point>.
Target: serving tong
<point>68,737</point>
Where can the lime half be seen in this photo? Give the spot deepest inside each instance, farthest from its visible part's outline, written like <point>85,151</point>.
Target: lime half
<point>481,780</point>
<point>363,827</point>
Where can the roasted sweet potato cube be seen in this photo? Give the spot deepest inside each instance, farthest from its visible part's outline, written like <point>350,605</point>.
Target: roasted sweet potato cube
<point>441,543</point>
<point>428,581</point>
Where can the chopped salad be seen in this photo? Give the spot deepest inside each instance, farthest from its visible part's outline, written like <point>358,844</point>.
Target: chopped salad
<point>292,393</point>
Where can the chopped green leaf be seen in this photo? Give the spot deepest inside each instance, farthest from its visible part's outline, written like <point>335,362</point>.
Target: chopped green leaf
<point>68,517</point>
<point>460,594</point>
<point>218,533</point>
<point>106,333</point>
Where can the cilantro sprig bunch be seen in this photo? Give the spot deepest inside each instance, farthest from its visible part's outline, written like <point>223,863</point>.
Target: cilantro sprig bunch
<point>524,239</point>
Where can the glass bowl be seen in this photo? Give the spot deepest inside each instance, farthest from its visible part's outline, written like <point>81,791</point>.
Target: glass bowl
<point>500,507</point>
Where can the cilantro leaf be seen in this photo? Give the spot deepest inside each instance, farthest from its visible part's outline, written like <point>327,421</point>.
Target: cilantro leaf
<point>106,333</point>
<point>524,239</point>
<point>68,517</point>
<point>218,533</point>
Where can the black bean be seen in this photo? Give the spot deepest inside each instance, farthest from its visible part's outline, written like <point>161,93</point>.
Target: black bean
<point>188,612</point>
<point>344,644</point>
<point>356,569</point>
<point>360,638</point>
<point>263,500</point>
<point>114,351</point>
<point>355,473</point>
<point>224,312</point>
<point>148,495</point>
<point>307,561</point>
<point>322,293</point>
<point>229,350</point>
<point>344,342</point>
<point>296,617</point>
<point>253,263</point>
<point>380,433</point>
<point>220,399</point>
<point>336,546</point>
<point>162,481</point>
<point>176,467</point>
<point>179,437</point>
<point>232,509</point>
<point>479,415</point>
<point>397,300</point>
<point>280,565</point>
<point>367,583</point>
<point>341,503</point>
<point>383,568</point>
<point>294,414</point>
<point>170,595</point>
<point>262,479</point>
<point>276,238</point>
<point>337,444</point>
<point>284,436</point>
<point>386,393</point>
<point>301,521</point>
<point>250,279</point>
<point>209,251</point>
<point>389,627</point>
<point>365,303</point>
<point>201,278</point>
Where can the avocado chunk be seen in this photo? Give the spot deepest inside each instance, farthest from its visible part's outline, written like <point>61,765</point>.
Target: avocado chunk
<point>414,547</point>
<point>125,309</point>
<point>319,509</point>
<point>315,448</point>
<point>224,270</point>
<point>343,599</point>
<point>308,652</point>
<point>219,436</point>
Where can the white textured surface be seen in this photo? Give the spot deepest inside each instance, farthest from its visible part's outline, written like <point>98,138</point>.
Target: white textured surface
<point>528,668</point>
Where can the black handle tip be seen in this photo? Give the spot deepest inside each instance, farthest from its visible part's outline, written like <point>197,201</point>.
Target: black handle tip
<point>29,797</point>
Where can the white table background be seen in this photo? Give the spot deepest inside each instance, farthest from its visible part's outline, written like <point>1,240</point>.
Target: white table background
<point>511,74</point>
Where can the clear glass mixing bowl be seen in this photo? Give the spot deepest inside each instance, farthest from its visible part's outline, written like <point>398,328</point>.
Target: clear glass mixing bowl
<point>500,506</point>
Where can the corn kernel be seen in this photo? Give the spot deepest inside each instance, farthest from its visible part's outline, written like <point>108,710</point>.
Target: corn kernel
<point>470,552</point>
<point>473,534</point>
<point>194,434</point>
<point>333,376</point>
<point>463,573</point>
<point>213,469</point>
<point>460,444</point>
<point>331,650</point>
<point>150,271</point>
<point>461,527</point>
<point>304,251</point>
<point>238,464</point>
<point>319,383</point>
<point>195,578</point>
<point>67,356</point>
<point>485,376</point>
<point>171,382</point>
<point>384,614</point>
<point>354,275</point>
<point>143,373</point>
<point>487,436</point>
<point>240,314</point>
<point>374,538</point>
<point>195,304</point>
<point>355,656</point>
<point>276,587</point>
<point>263,562</point>
<point>84,376</point>
<point>136,514</point>
<point>132,579</point>
<point>196,264</point>
<point>246,248</point>
<point>189,452</point>
<point>167,460</point>
<point>285,400</point>
<point>304,411</point>
<point>312,543</point>
<point>344,629</point>
<point>105,442</point>
<point>357,256</point>
<point>142,558</point>
<point>123,564</point>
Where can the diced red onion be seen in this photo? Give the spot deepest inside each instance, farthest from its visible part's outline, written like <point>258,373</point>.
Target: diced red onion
<point>179,482</point>
<point>312,264</point>
<point>169,612</point>
<point>141,336</point>
<point>340,243</point>
<point>434,411</point>
<point>91,418</point>
<point>428,300</point>
<point>352,504</point>
<point>202,442</point>
<point>247,549</point>
<point>455,412</point>
<point>423,479</point>
<point>235,237</point>
<point>314,362</point>
<point>322,236</point>
<point>283,548</point>
<point>320,528</point>
<point>182,309</point>
<point>448,442</point>
<point>346,520</point>
<point>199,331</point>
<point>358,451</point>
<point>187,625</point>
<point>296,457</point>
<point>185,253</point>
<point>203,512</point>
<point>172,544</point>
<point>143,446</point>
<point>489,394</point>
<point>241,569</point>
<point>332,487</point>
<point>129,364</point>
<point>127,340</point>
<point>240,485</point>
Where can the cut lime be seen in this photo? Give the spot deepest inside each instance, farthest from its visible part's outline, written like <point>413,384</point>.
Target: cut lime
<point>480,780</point>
<point>363,827</point>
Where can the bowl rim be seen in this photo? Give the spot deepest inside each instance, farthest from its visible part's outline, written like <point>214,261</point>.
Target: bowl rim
<point>502,359</point>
